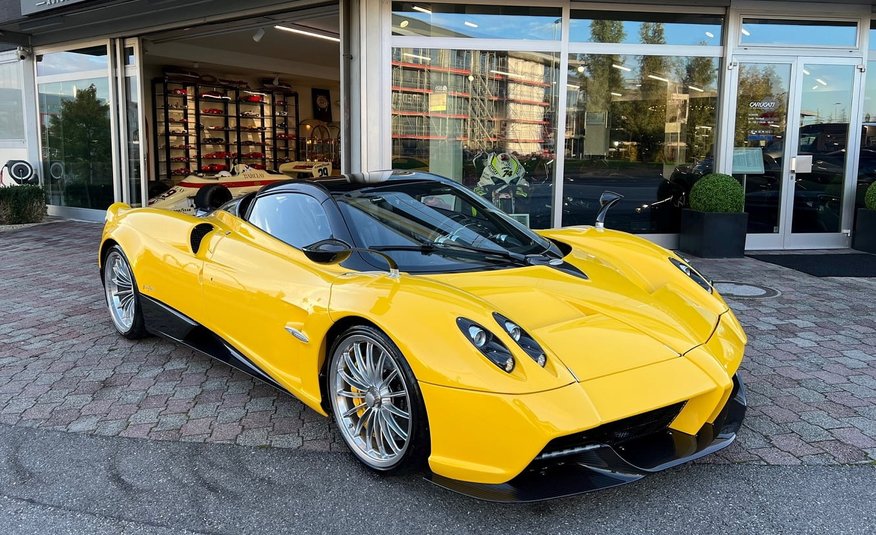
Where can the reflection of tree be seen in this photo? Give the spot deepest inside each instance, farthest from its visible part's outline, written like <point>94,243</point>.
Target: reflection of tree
<point>645,116</point>
<point>600,79</point>
<point>759,84</point>
<point>79,135</point>
<point>699,72</point>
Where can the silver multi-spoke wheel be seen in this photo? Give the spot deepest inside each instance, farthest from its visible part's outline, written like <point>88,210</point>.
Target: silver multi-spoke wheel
<point>371,400</point>
<point>121,296</point>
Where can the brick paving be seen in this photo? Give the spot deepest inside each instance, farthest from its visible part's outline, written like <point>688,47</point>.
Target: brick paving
<point>810,366</point>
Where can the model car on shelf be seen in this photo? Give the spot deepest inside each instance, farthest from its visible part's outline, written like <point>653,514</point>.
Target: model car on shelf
<point>440,333</point>
<point>214,185</point>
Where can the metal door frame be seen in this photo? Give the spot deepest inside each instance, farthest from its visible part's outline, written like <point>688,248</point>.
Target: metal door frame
<point>785,238</point>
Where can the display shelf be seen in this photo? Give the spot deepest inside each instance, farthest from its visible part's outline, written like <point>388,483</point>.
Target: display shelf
<point>203,127</point>
<point>284,110</point>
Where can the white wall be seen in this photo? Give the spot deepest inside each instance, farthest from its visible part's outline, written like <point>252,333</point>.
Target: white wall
<point>27,148</point>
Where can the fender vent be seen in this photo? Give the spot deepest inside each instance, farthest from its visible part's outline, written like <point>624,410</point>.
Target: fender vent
<point>198,233</point>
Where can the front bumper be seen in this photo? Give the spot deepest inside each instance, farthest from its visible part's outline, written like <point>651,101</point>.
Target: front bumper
<point>592,465</point>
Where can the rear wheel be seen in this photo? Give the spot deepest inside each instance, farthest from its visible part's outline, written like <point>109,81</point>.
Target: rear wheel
<point>376,402</point>
<point>122,297</point>
<point>211,197</point>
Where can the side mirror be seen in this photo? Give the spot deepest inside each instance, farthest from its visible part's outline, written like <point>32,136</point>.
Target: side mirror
<point>330,251</point>
<point>606,200</point>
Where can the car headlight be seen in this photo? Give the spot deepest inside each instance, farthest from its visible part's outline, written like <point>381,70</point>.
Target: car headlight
<point>692,273</point>
<point>526,342</point>
<point>487,343</point>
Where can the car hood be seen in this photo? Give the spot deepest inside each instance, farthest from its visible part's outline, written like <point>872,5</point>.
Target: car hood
<point>615,319</point>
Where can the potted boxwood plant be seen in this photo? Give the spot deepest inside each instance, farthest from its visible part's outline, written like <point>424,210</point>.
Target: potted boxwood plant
<point>865,225</point>
<point>714,226</point>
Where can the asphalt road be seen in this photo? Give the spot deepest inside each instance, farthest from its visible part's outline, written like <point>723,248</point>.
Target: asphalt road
<point>57,482</point>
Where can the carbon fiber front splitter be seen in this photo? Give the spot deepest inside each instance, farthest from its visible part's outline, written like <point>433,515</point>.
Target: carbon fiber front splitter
<point>601,466</point>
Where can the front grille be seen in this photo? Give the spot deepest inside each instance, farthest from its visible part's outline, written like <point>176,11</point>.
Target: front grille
<point>617,432</point>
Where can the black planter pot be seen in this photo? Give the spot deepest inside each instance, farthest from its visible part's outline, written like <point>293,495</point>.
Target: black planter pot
<point>864,238</point>
<point>713,234</point>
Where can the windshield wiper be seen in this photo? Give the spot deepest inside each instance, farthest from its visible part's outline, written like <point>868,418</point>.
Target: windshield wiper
<point>470,251</point>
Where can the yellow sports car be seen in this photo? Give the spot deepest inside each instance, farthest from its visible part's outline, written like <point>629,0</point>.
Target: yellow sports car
<point>438,332</point>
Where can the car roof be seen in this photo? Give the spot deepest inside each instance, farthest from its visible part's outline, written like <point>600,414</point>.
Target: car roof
<point>350,182</point>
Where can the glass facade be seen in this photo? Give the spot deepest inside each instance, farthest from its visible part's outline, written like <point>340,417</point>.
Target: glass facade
<point>867,157</point>
<point>645,28</point>
<point>11,103</point>
<point>639,126</point>
<point>75,129</point>
<point>640,106</point>
<point>777,32</point>
<point>476,21</point>
<point>484,118</point>
<point>761,125</point>
<point>132,135</point>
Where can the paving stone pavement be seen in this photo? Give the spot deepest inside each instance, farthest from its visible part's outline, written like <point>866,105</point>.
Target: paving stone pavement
<point>810,367</point>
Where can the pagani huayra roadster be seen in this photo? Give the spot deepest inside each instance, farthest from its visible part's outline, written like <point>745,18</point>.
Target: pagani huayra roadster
<point>440,333</point>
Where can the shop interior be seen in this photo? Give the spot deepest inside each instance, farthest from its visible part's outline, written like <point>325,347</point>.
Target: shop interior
<point>264,92</point>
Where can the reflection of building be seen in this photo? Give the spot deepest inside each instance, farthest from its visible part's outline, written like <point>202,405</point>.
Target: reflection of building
<point>485,100</point>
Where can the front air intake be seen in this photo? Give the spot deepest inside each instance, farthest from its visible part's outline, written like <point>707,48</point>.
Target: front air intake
<point>616,433</point>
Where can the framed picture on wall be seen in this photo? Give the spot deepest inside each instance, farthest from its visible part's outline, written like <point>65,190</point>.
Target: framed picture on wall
<point>322,104</point>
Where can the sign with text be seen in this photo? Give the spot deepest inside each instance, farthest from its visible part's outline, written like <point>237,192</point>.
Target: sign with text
<point>29,7</point>
<point>747,161</point>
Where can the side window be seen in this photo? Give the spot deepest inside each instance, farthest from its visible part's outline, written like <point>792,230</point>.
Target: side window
<point>294,218</point>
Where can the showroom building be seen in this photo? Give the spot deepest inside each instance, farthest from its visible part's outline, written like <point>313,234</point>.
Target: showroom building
<point>555,102</point>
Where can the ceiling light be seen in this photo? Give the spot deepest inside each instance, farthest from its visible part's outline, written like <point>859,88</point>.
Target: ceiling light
<point>745,32</point>
<point>653,77</point>
<point>309,34</point>
<point>422,10</point>
<point>575,87</point>
<point>820,81</point>
<point>710,35</point>
<point>616,94</point>
<point>470,24</point>
<point>257,36</point>
<point>415,56</point>
<point>815,86</point>
<point>580,68</point>
<point>807,73</point>
<point>509,74</point>
<point>621,67</point>
<point>694,88</point>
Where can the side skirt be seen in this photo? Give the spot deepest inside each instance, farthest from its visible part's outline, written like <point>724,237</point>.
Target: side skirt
<point>163,320</point>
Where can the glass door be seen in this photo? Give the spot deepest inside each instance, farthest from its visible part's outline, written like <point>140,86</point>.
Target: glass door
<point>132,152</point>
<point>792,149</point>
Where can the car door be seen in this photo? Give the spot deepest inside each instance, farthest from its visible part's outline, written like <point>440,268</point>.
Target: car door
<point>261,293</point>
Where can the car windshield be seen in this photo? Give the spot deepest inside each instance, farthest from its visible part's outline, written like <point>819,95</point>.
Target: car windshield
<point>434,226</point>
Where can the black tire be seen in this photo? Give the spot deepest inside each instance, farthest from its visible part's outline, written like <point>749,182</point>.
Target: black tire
<point>416,447</point>
<point>211,197</point>
<point>128,322</point>
<point>157,188</point>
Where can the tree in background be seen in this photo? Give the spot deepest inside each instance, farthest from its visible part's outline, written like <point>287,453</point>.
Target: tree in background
<point>78,136</point>
<point>644,117</point>
<point>700,72</point>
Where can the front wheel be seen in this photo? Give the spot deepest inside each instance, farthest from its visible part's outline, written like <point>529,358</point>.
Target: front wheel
<point>122,297</point>
<point>376,402</point>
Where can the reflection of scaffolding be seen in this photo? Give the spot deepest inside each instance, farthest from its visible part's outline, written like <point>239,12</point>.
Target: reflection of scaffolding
<point>527,104</point>
<point>482,104</point>
<point>486,100</point>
